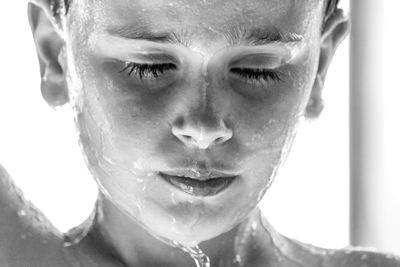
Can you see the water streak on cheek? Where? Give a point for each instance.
(173, 199)
(274, 170)
(75, 87)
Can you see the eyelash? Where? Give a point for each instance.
(257, 74)
(143, 70)
(155, 70)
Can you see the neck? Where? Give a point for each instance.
(132, 244)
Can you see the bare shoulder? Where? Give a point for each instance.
(346, 257)
(26, 236)
(354, 256)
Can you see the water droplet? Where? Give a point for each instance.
(76, 234)
(21, 213)
(136, 166)
(201, 259)
(348, 251)
(67, 244)
(173, 199)
(237, 259)
(253, 226)
(109, 160)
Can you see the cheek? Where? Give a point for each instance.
(126, 120)
(119, 174)
(267, 128)
(265, 124)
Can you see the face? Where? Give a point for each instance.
(201, 89)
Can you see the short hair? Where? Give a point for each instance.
(331, 7)
(61, 7)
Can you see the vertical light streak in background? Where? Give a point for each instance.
(366, 120)
(374, 185)
(391, 226)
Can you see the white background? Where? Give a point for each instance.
(38, 147)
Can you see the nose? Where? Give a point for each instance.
(202, 135)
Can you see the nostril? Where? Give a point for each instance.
(200, 136)
(186, 137)
(219, 140)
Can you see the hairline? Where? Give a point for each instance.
(60, 8)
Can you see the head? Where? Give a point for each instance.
(161, 86)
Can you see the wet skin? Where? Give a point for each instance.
(28, 239)
(132, 128)
(166, 86)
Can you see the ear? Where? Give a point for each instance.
(51, 54)
(336, 29)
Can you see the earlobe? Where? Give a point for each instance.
(50, 49)
(315, 103)
(336, 29)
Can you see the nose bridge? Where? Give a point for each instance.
(204, 118)
(204, 91)
(208, 113)
(202, 123)
(204, 113)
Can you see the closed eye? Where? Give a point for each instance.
(147, 70)
(257, 74)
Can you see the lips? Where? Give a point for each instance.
(200, 174)
(199, 183)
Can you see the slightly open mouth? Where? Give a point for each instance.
(195, 187)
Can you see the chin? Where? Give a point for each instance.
(189, 230)
(195, 236)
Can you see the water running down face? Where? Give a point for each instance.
(186, 109)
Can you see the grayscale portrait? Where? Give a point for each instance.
(184, 111)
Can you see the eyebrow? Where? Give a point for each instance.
(264, 36)
(140, 32)
(235, 36)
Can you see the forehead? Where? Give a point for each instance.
(202, 17)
